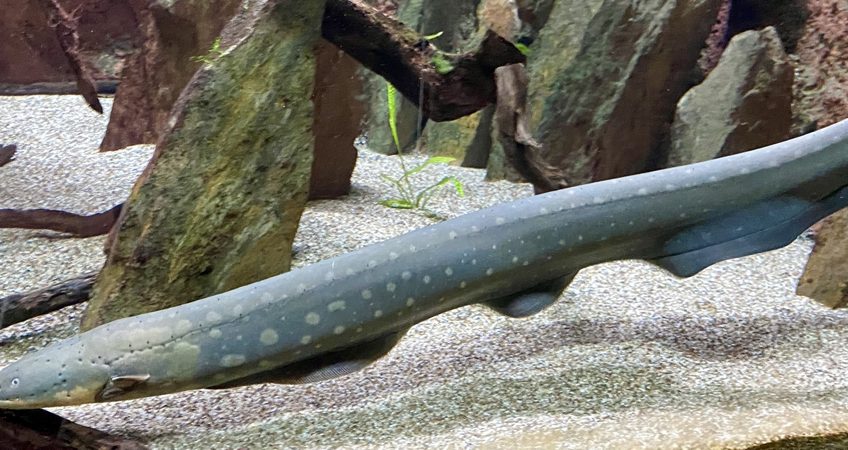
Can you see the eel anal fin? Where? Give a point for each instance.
(764, 226)
(531, 301)
(322, 367)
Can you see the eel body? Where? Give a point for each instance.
(340, 314)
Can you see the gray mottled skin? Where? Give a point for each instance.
(683, 219)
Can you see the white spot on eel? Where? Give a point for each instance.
(182, 327)
(232, 360)
(269, 337)
(312, 318)
(336, 306)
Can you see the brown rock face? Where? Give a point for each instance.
(825, 278)
(821, 86)
(30, 53)
(821, 97)
(744, 103)
(171, 34)
(615, 101)
(337, 121)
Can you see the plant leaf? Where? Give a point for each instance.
(391, 93)
(429, 161)
(430, 37)
(397, 203)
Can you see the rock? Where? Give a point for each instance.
(613, 104)
(338, 118)
(173, 33)
(31, 59)
(821, 81)
(821, 98)
(219, 203)
(743, 104)
(554, 50)
(825, 278)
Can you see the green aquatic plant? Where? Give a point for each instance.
(212, 54)
(409, 197)
(441, 63)
(523, 48)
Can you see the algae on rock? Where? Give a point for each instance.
(219, 203)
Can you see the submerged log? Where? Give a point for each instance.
(19, 307)
(50, 219)
(464, 85)
(40, 429)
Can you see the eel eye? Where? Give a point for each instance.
(15, 382)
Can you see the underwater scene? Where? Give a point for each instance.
(424, 224)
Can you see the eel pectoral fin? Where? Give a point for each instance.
(530, 301)
(119, 385)
(764, 226)
(322, 367)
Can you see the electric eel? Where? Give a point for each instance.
(338, 315)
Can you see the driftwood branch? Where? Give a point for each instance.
(19, 307)
(521, 150)
(398, 54)
(40, 429)
(7, 153)
(63, 221)
(65, 25)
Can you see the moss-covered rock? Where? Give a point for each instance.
(609, 110)
(219, 204)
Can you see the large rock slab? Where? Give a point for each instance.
(743, 104)
(219, 203)
(612, 106)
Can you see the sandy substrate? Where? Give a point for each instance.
(631, 357)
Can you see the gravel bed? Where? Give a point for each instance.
(631, 357)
